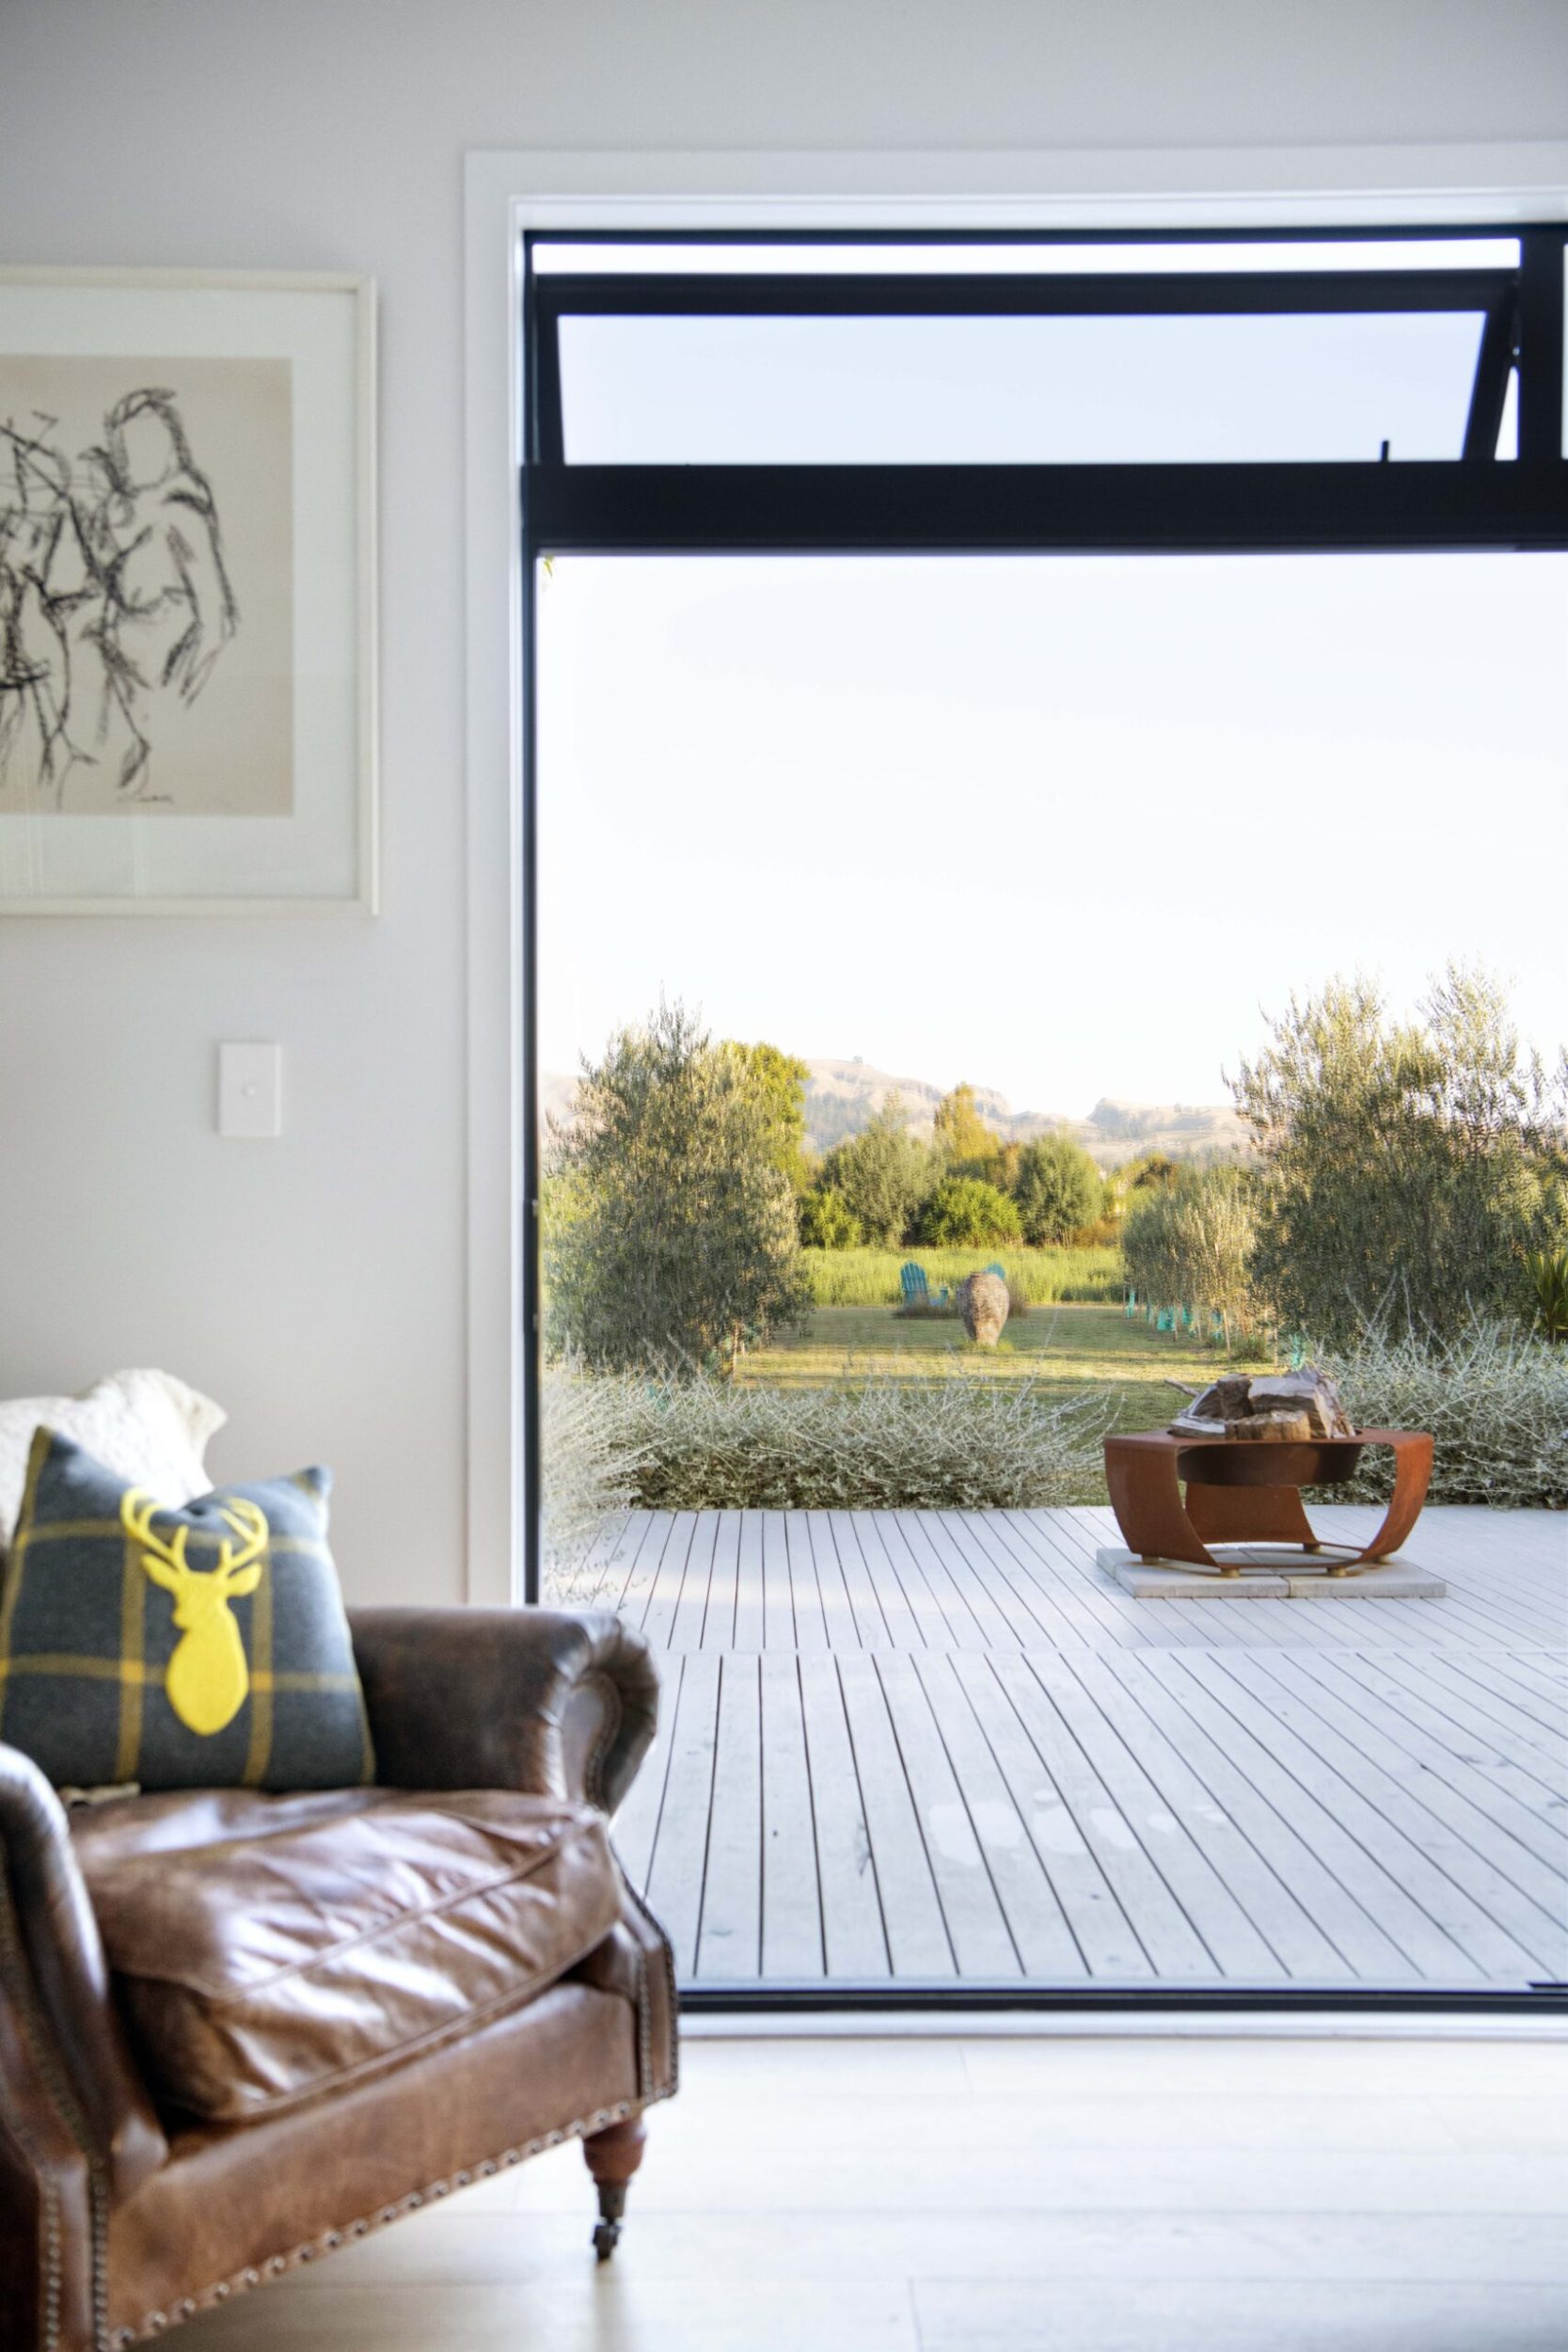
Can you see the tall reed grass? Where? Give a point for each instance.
(870, 1278)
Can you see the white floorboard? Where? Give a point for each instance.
(1042, 2196)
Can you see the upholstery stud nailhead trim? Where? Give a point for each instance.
(16, 1977)
(583, 2128)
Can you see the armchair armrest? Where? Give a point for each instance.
(539, 1700)
(55, 1992)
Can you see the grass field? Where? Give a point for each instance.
(1070, 1349)
(870, 1278)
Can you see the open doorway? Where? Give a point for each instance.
(998, 897)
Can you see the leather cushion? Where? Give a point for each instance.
(263, 1970)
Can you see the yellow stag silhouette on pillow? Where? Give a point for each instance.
(208, 1676)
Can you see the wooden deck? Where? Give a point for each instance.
(943, 1747)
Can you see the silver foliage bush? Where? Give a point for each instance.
(590, 1460)
(1494, 1399)
(950, 1443)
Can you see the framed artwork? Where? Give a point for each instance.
(187, 592)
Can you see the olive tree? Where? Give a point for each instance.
(1191, 1242)
(1412, 1165)
(671, 1235)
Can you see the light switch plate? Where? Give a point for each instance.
(250, 1092)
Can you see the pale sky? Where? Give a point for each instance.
(1060, 826)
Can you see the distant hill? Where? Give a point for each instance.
(842, 1097)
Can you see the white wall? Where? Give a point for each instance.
(316, 1285)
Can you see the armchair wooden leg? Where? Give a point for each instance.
(613, 2156)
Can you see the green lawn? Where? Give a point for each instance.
(1069, 1349)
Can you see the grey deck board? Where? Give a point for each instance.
(1104, 1935)
(729, 1940)
(1277, 1831)
(791, 1894)
(945, 1747)
(690, 1611)
(1508, 1886)
(1258, 1880)
(854, 1941)
(1491, 1782)
(982, 1944)
(1043, 1940)
(1174, 1946)
(751, 1608)
(718, 1616)
(663, 1609)
(919, 1944)
(1212, 1911)
(811, 1621)
(678, 1865)
(1440, 1927)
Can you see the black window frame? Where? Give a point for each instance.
(1476, 502)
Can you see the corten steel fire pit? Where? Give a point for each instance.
(1242, 1493)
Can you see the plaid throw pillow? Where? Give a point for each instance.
(200, 1648)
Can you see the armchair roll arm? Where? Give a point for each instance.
(55, 1985)
(539, 1700)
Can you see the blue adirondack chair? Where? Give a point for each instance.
(916, 1290)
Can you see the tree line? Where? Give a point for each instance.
(1416, 1169)
(885, 1188)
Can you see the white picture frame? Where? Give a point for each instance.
(187, 592)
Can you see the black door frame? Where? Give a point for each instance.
(1470, 503)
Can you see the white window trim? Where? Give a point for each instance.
(507, 194)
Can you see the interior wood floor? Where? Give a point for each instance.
(944, 1747)
(1089, 2194)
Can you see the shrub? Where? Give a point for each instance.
(956, 1442)
(1494, 1400)
(964, 1209)
(828, 1221)
(882, 1173)
(1057, 1189)
(588, 1460)
(1548, 1276)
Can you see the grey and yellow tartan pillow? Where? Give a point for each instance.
(192, 1648)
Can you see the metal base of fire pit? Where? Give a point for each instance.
(1262, 1573)
(1175, 1496)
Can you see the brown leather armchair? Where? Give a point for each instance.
(238, 2030)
